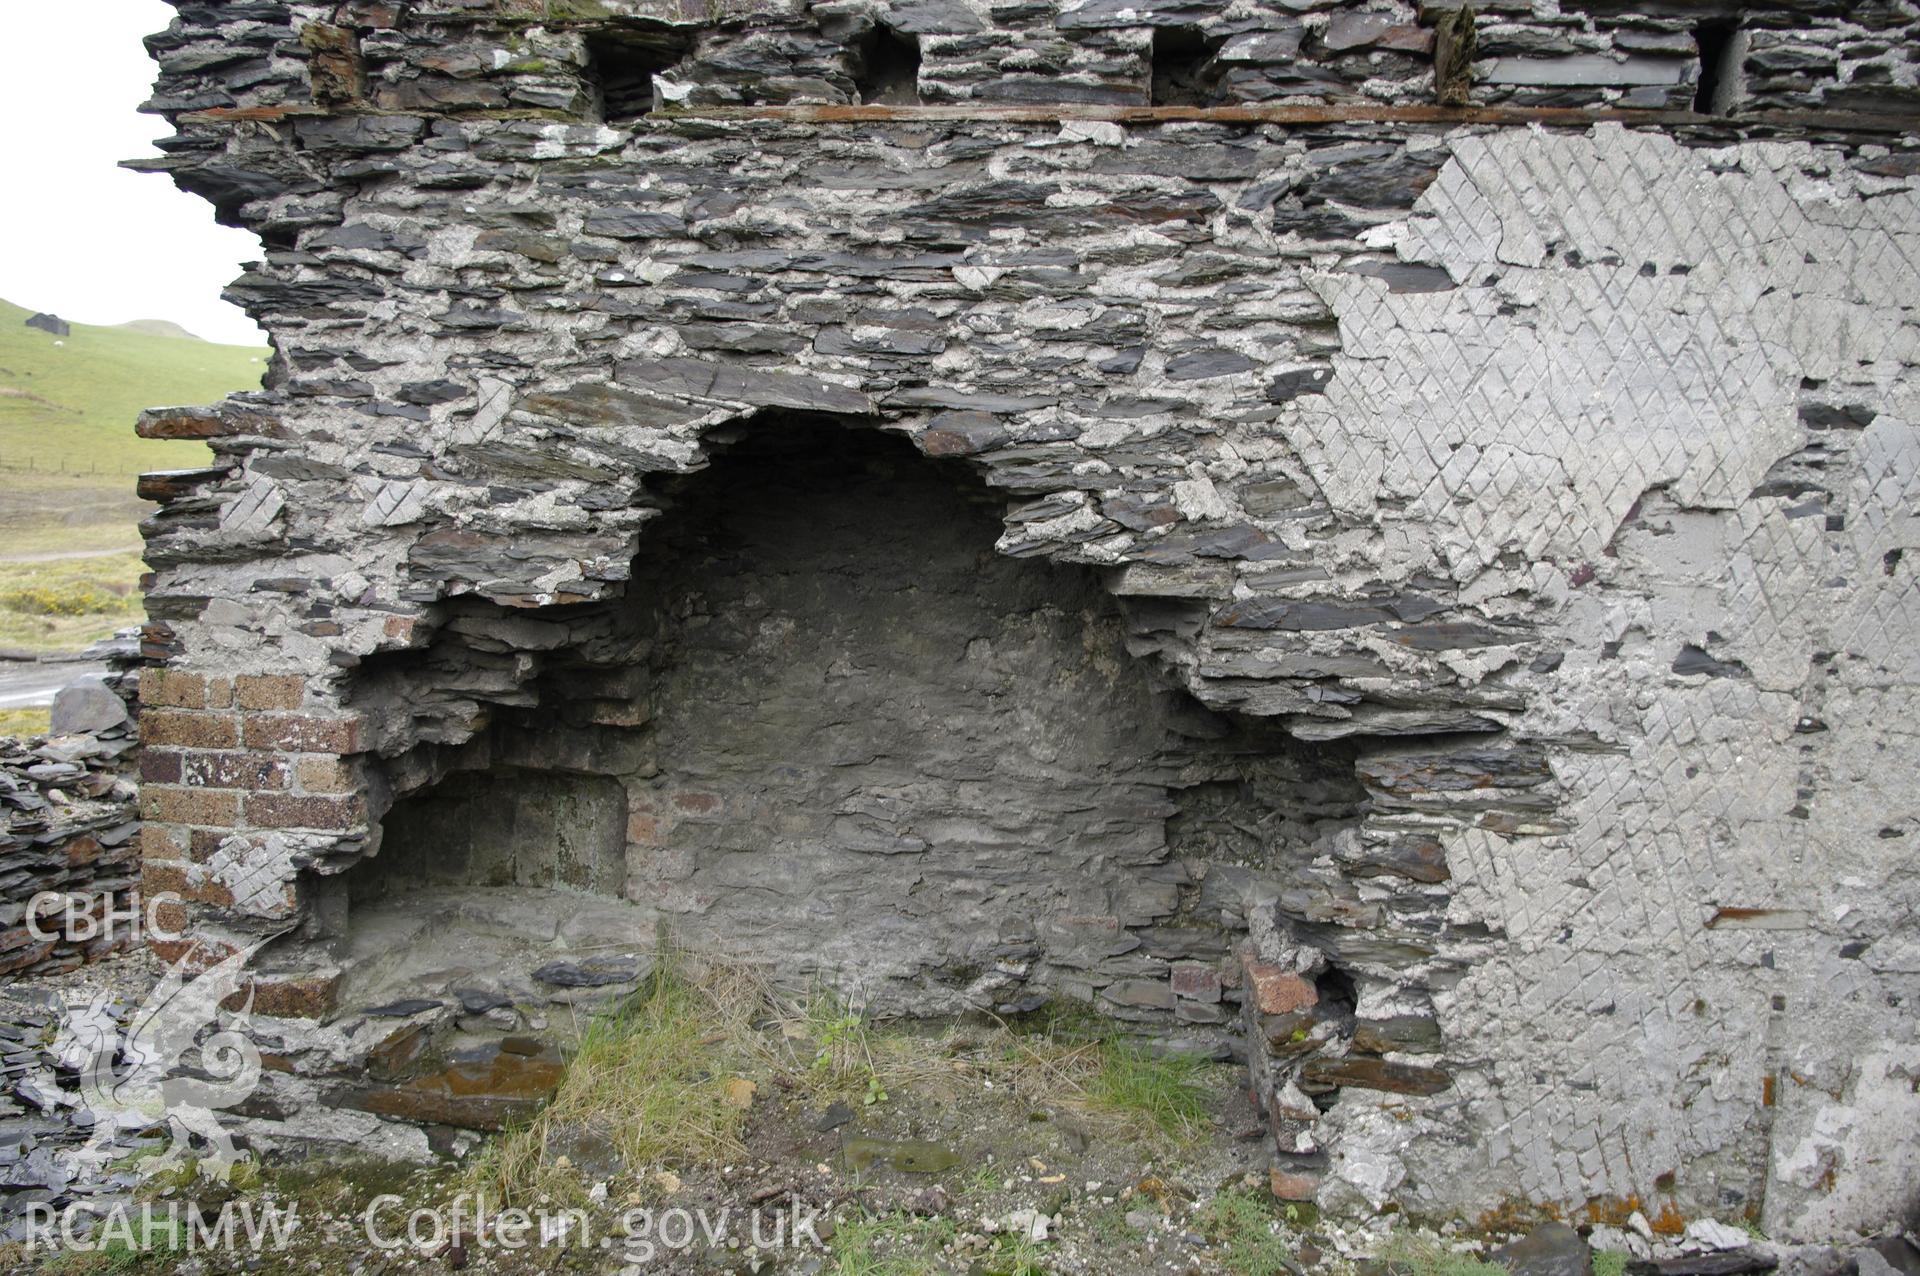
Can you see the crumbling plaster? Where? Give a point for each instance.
(1622, 366)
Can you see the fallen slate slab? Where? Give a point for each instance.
(1896, 1253)
(1727, 1263)
(1552, 1250)
(592, 974)
(836, 1115)
(477, 1001)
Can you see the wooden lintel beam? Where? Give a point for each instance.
(1839, 122)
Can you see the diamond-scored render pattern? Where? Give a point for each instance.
(1616, 385)
(1621, 323)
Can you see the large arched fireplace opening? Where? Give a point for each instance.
(829, 729)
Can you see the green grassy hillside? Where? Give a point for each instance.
(68, 457)
(67, 404)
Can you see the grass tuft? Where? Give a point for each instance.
(1168, 1092)
(845, 1042)
(889, 1245)
(650, 1076)
(1014, 1255)
(150, 1244)
(1412, 1254)
(905, 1245)
(649, 1079)
(1609, 1262)
(1246, 1230)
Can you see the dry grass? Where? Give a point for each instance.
(650, 1077)
(66, 604)
(25, 722)
(1113, 1084)
(1423, 1254)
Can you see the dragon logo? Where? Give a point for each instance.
(137, 1076)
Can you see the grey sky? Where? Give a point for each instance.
(91, 242)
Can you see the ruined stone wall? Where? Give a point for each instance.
(69, 829)
(69, 852)
(1526, 486)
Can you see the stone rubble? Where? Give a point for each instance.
(42, 1117)
(68, 828)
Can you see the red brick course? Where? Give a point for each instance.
(325, 775)
(189, 729)
(293, 811)
(303, 733)
(165, 688)
(234, 771)
(270, 691)
(176, 805)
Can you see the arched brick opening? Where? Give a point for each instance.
(829, 728)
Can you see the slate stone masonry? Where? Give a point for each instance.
(69, 830)
(68, 853)
(1449, 627)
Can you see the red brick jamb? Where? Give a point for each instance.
(233, 770)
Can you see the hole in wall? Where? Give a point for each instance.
(832, 727)
(481, 880)
(1184, 72)
(502, 826)
(887, 67)
(1722, 46)
(1270, 796)
(621, 65)
(842, 724)
(1339, 997)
